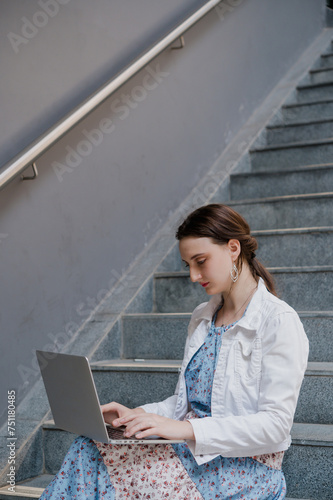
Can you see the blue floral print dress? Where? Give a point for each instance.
(112, 472)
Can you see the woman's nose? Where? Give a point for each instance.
(194, 275)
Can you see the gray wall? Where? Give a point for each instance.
(101, 195)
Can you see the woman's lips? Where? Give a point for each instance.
(204, 284)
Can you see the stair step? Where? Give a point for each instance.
(135, 382)
(289, 156)
(304, 288)
(159, 378)
(312, 179)
(145, 335)
(21, 493)
(308, 463)
(316, 397)
(321, 75)
(326, 60)
(126, 378)
(319, 329)
(31, 488)
(303, 113)
(56, 443)
(300, 132)
(314, 92)
(287, 212)
(301, 247)
(154, 336)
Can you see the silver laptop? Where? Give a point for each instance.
(74, 402)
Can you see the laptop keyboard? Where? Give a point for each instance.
(116, 433)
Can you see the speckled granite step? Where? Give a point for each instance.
(304, 112)
(287, 212)
(162, 336)
(308, 464)
(154, 336)
(304, 288)
(292, 155)
(32, 488)
(315, 402)
(314, 92)
(301, 180)
(123, 380)
(135, 382)
(301, 247)
(326, 60)
(321, 75)
(310, 131)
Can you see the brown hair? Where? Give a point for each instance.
(221, 223)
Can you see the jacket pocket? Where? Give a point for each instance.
(248, 356)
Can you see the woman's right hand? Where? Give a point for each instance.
(114, 411)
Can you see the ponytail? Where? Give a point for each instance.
(260, 271)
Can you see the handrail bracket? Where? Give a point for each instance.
(181, 45)
(31, 177)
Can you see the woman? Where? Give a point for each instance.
(245, 358)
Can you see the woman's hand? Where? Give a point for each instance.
(143, 425)
(112, 412)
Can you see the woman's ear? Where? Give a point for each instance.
(234, 249)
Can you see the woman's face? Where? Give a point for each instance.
(209, 263)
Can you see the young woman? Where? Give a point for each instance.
(245, 358)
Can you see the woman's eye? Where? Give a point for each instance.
(185, 265)
(200, 262)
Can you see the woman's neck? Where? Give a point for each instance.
(237, 298)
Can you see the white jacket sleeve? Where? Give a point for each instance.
(284, 360)
(164, 408)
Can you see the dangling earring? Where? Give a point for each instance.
(234, 273)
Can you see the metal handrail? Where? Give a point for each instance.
(30, 154)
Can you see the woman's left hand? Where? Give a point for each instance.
(149, 424)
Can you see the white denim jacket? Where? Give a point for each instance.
(258, 376)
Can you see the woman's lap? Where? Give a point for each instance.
(102, 471)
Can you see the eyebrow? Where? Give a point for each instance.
(194, 256)
(197, 255)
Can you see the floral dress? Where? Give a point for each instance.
(111, 472)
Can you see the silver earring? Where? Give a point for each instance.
(234, 273)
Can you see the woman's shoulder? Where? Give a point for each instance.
(268, 309)
(275, 305)
(269, 303)
(278, 315)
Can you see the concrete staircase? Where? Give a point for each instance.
(287, 197)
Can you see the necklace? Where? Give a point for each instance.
(241, 307)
